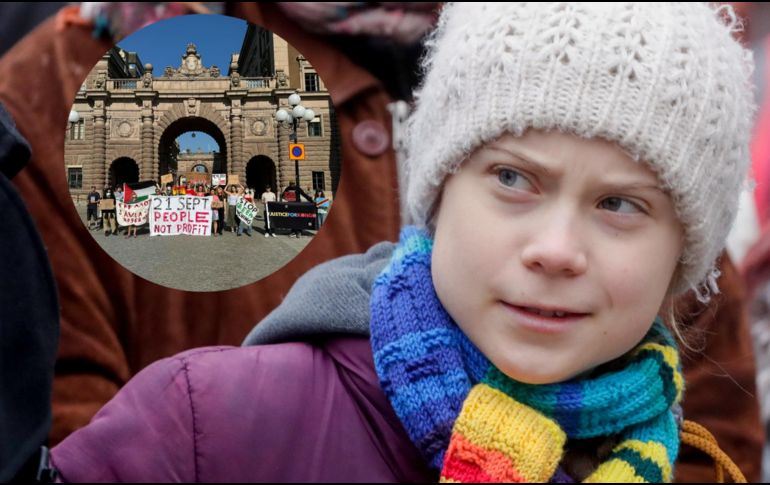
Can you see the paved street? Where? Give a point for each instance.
(199, 263)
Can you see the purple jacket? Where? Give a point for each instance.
(284, 413)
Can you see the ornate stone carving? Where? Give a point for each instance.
(191, 66)
(101, 80)
(192, 106)
(281, 77)
(259, 126)
(125, 129)
(147, 80)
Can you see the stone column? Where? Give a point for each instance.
(148, 169)
(236, 145)
(99, 153)
(235, 159)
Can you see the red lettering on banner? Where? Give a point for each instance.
(200, 217)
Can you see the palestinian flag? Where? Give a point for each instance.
(142, 190)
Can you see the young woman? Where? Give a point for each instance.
(585, 169)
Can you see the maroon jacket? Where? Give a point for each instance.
(292, 412)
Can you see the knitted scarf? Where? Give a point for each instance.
(475, 424)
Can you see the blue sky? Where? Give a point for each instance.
(162, 44)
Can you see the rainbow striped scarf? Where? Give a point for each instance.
(477, 425)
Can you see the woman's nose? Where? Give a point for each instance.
(557, 249)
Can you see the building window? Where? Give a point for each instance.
(200, 169)
(314, 127)
(318, 181)
(311, 82)
(77, 130)
(75, 177)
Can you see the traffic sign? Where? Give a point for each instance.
(296, 151)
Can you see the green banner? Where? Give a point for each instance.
(246, 211)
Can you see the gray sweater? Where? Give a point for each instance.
(333, 297)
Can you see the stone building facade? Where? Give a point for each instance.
(129, 118)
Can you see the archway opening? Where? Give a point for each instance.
(260, 173)
(189, 144)
(123, 170)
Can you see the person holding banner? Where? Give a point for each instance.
(268, 196)
(243, 226)
(107, 204)
(131, 226)
(291, 194)
(220, 193)
(216, 204)
(322, 203)
(232, 200)
(119, 197)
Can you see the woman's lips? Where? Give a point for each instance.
(544, 320)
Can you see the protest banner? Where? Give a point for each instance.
(246, 211)
(218, 179)
(107, 204)
(166, 179)
(175, 215)
(199, 178)
(292, 215)
(234, 180)
(133, 214)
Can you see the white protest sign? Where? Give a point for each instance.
(181, 214)
(246, 211)
(218, 179)
(133, 214)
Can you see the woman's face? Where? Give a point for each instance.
(553, 253)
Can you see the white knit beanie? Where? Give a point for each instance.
(666, 81)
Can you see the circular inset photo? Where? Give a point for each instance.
(202, 152)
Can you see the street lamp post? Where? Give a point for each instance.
(293, 117)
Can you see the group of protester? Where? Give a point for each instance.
(101, 215)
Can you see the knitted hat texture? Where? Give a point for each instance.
(666, 81)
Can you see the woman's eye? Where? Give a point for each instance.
(513, 179)
(618, 204)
